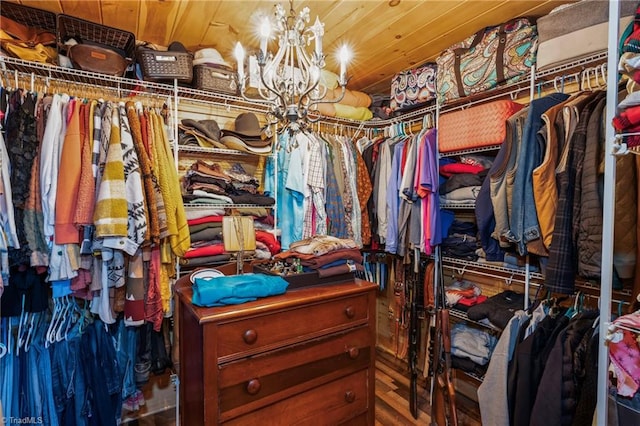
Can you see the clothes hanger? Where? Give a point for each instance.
(3, 346)
(64, 318)
(50, 334)
(33, 324)
(20, 323)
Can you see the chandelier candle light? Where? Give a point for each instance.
(290, 78)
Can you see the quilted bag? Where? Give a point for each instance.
(413, 88)
(476, 127)
(493, 56)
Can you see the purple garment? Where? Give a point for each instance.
(430, 182)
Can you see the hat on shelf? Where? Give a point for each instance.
(246, 126)
(234, 142)
(176, 46)
(206, 132)
(209, 56)
(247, 130)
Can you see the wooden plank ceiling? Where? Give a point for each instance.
(384, 38)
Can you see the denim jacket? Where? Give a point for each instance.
(523, 222)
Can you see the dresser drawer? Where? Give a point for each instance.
(251, 383)
(332, 403)
(252, 335)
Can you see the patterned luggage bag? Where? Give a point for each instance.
(493, 56)
(413, 88)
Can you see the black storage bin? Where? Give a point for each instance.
(157, 65)
(30, 16)
(123, 42)
(215, 79)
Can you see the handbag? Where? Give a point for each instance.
(493, 56)
(413, 88)
(90, 57)
(27, 43)
(476, 127)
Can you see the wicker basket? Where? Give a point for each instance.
(88, 32)
(29, 16)
(215, 79)
(159, 65)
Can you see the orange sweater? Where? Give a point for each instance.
(69, 180)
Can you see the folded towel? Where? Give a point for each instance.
(235, 289)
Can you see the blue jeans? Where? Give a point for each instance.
(43, 361)
(126, 349)
(9, 372)
(103, 374)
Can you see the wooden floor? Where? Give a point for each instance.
(392, 401)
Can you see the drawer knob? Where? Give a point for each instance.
(250, 336)
(349, 396)
(253, 386)
(353, 352)
(350, 311)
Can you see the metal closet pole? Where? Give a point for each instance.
(608, 213)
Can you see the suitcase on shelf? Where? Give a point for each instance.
(577, 30)
(413, 88)
(493, 56)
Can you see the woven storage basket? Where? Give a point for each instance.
(89, 32)
(29, 16)
(215, 79)
(476, 127)
(159, 65)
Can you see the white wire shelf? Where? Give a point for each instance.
(195, 206)
(204, 150)
(470, 151)
(131, 87)
(465, 265)
(461, 315)
(471, 375)
(125, 86)
(515, 89)
(536, 279)
(578, 64)
(457, 206)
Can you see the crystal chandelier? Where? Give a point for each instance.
(290, 78)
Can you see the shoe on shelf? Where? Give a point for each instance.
(131, 404)
(139, 396)
(142, 372)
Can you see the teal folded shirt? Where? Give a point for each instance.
(235, 289)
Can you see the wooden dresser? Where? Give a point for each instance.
(304, 357)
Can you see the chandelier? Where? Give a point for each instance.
(290, 78)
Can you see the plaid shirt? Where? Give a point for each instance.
(561, 269)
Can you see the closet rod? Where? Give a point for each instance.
(82, 88)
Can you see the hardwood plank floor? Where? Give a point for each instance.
(392, 401)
